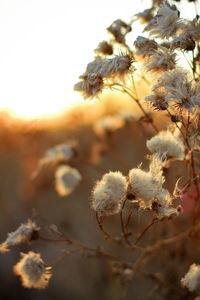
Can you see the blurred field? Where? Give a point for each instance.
(22, 144)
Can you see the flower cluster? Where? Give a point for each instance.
(145, 187)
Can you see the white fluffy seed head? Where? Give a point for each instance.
(66, 180)
(32, 270)
(161, 61)
(143, 186)
(192, 278)
(167, 142)
(108, 194)
(23, 234)
(166, 23)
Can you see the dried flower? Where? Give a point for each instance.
(119, 29)
(181, 89)
(184, 42)
(90, 86)
(118, 66)
(108, 194)
(145, 16)
(145, 47)
(192, 278)
(158, 100)
(166, 23)
(167, 142)
(192, 28)
(143, 186)
(162, 60)
(66, 180)
(32, 270)
(148, 190)
(25, 233)
(104, 48)
(147, 185)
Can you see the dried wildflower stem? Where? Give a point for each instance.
(168, 241)
(100, 220)
(192, 165)
(140, 235)
(129, 92)
(115, 240)
(194, 175)
(65, 253)
(97, 251)
(193, 65)
(125, 232)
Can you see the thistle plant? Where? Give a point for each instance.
(169, 42)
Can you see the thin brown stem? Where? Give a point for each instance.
(140, 235)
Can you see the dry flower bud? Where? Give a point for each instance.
(25, 233)
(108, 194)
(66, 180)
(32, 270)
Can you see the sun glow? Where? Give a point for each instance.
(46, 45)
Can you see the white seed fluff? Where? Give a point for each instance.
(167, 142)
(192, 278)
(21, 235)
(143, 186)
(66, 180)
(108, 194)
(32, 270)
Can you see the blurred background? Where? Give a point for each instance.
(45, 46)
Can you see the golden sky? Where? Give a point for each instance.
(46, 45)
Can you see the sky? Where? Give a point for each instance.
(46, 45)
